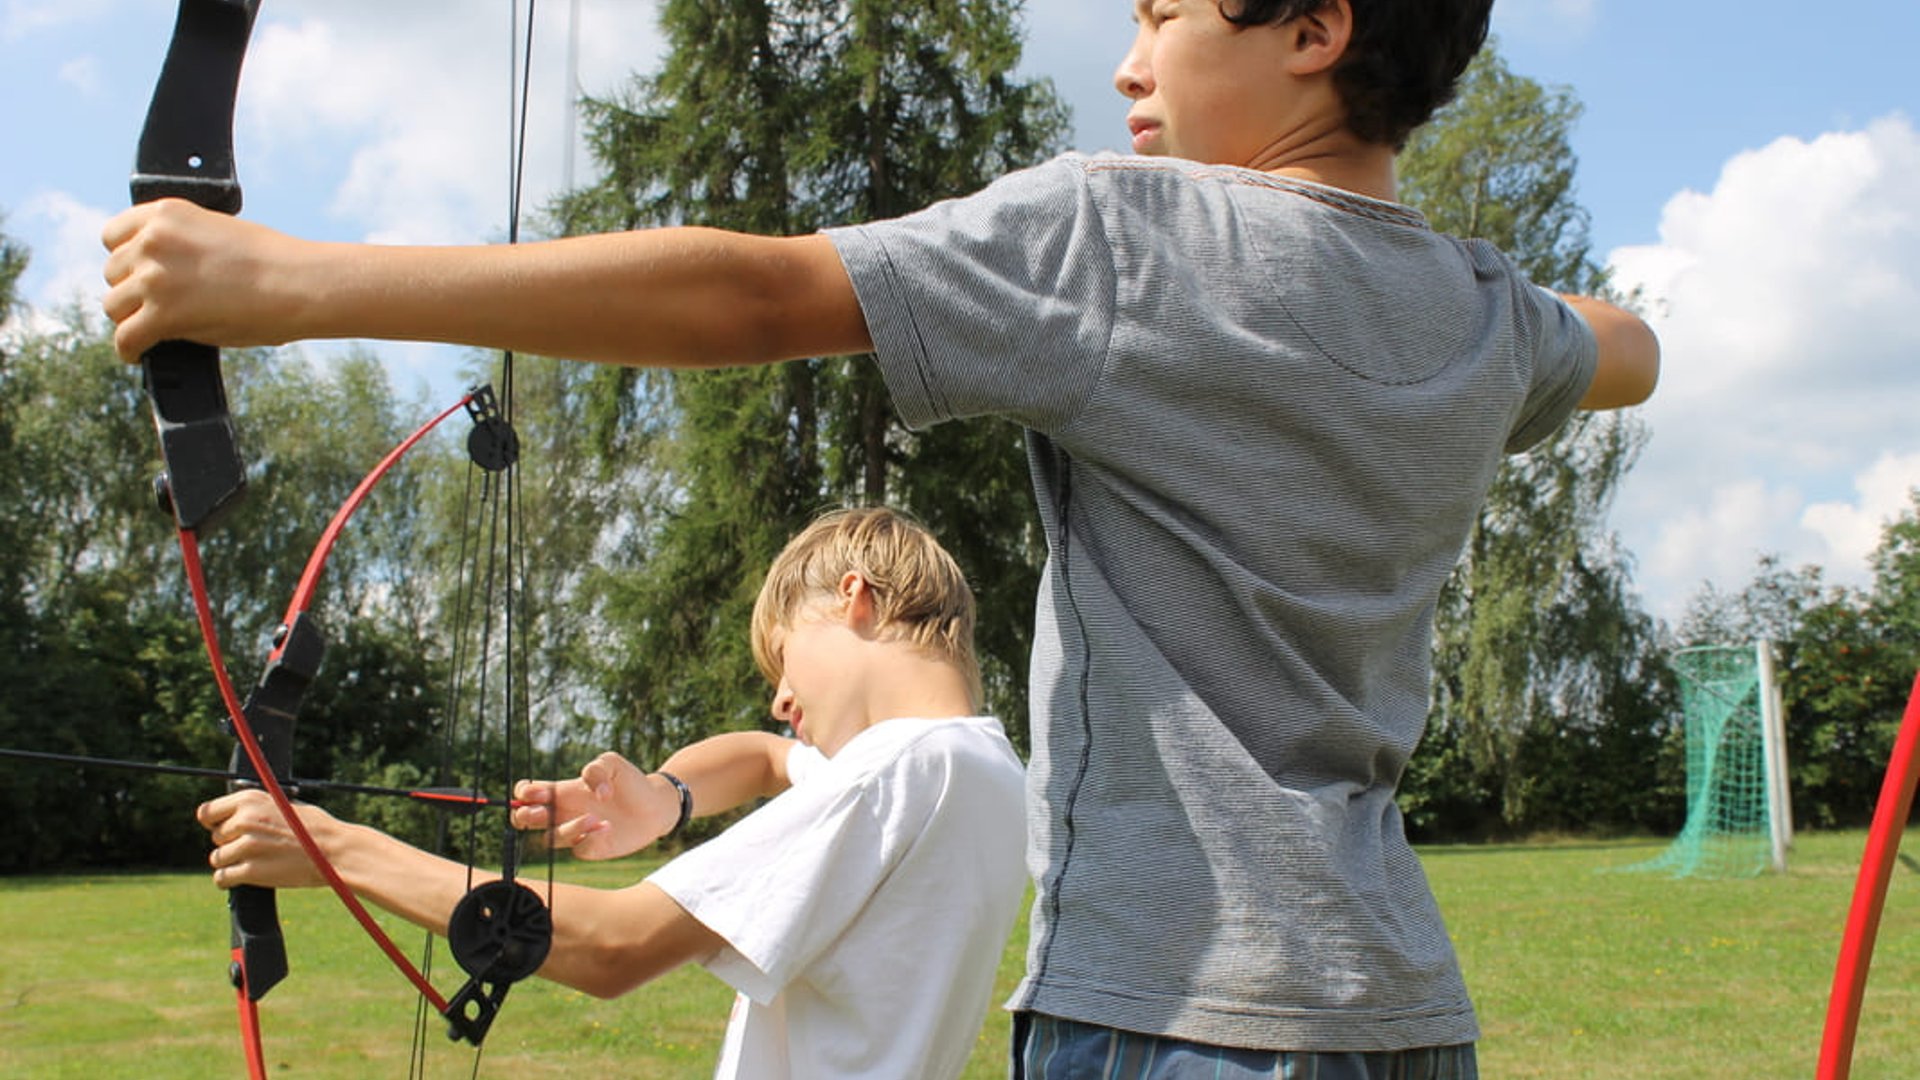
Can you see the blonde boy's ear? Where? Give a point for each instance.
(1319, 38)
(855, 594)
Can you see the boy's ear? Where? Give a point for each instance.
(855, 593)
(1319, 38)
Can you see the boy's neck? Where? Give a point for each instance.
(911, 683)
(1366, 169)
(899, 682)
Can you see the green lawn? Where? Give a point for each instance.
(1577, 972)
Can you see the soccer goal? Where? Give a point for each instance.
(1739, 818)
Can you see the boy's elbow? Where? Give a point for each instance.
(1628, 371)
(1629, 356)
(604, 973)
(1647, 373)
(609, 989)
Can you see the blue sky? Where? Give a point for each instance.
(1754, 167)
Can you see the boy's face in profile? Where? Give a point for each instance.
(1203, 88)
(814, 693)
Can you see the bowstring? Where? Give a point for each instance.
(503, 495)
(517, 569)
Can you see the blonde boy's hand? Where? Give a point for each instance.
(614, 809)
(178, 272)
(253, 845)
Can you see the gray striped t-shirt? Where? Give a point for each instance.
(1263, 414)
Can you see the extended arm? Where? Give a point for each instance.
(615, 808)
(605, 942)
(1629, 355)
(679, 297)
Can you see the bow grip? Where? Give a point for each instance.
(186, 151)
(259, 950)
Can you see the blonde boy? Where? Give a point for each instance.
(861, 913)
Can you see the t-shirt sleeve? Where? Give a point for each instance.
(998, 303)
(1565, 354)
(782, 884)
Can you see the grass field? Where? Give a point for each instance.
(1578, 971)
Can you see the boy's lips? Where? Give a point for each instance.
(1143, 132)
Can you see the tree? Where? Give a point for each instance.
(781, 117)
(102, 657)
(15, 637)
(1846, 664)
(13, 263)
(1847, 672)
(1773, 606)
(1544, 662)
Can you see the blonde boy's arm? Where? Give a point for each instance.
(680, 297)
(615, 807)
(605, 942)
(731, 769)
(1629, 354)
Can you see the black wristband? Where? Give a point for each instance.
(686, 801)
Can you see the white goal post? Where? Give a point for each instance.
(1773, 733)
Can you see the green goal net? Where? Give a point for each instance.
(1729, 830)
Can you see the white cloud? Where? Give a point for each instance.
(1732, 526)
(1785, 300)
(22, 18)
(71, 257)
(404, 110)
(1852, 530)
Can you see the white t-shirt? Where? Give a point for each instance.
(865, 909)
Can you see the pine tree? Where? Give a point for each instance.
(1541, 651)
(780, 117)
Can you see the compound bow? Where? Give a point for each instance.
(501, 931)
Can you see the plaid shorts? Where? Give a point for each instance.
(1048, 1048)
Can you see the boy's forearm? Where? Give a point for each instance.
(731, 769)
(686, 297)
(395, 876)
(605, 942)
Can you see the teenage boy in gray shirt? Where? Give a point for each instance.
(1265, 403)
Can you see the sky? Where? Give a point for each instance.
(1753, 168)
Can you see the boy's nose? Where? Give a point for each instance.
(1133, 78)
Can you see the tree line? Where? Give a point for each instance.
(654, 500)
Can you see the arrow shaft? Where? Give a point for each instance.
(456, 798)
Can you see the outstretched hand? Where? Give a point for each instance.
(614, 809)
(253, 845)
(178, 272)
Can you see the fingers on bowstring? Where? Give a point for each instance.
(534, 791)
(531, 818)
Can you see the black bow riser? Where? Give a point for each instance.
(186, 151)
(271, 710)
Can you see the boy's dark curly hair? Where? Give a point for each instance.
(1403, 63)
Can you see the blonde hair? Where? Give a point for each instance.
(919, 593)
